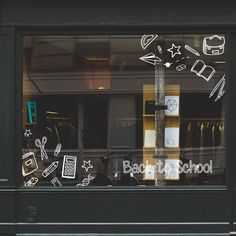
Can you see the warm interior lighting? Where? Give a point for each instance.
(52, 112)
(93, 58)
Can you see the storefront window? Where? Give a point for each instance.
(131, 110)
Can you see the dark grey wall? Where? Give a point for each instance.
(6, 103)
(192, 210)
(7, 129)
(184, 12)
(232, 150)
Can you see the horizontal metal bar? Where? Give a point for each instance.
(129, 234)
(118, 223)
(3, 180)
(117, 189)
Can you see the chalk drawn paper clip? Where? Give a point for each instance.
(57, 149)
(52, 167)
(146, 40)
(202, 70)
(159, 48)
(41, 145)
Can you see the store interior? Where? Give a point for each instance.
(95, 97)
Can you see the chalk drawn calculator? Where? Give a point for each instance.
(69, 167)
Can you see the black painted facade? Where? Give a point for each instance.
(198, 210)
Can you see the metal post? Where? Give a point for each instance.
(159, 120)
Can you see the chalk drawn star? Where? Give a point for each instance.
(27, 133)
(174, 50)
(87, 165)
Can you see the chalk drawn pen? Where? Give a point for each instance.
(50, 169)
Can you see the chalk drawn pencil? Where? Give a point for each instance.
(190, 49)
(50, 169)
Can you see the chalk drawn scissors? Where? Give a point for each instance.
(41, 145)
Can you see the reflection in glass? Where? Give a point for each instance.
(127, 110)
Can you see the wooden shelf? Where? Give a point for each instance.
(149, 123)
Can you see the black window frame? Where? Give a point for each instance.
(226, 190)
(131, 31)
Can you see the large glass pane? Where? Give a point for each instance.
(123, 110)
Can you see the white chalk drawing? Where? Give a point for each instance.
(41, 145)
(221, 86)
(27, 133)
(172, 169)
(57, 149)
(159, 48)
(56, 182)
(69, 167)
(181, 59)
(51, 168)
(192, 50)
(202, 70)
(172, 137)
(172, 103)
(151, 59)
(86, 181)
(167, 64)
(31, 182)
(181, 67)
(221, 91)
(147, 39)
(174, 50)
(87, 165)
(213, 45)
(29, 164)
(116, 175)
